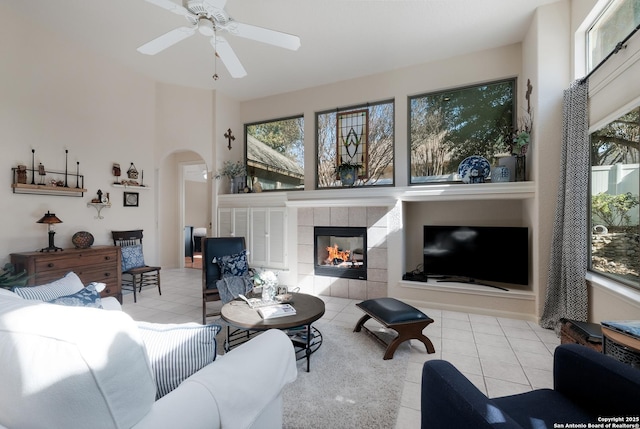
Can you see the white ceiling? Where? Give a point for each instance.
(340, 39)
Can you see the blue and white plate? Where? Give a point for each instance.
(474, 169)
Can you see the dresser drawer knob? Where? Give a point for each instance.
(107, 274)
(50, 264)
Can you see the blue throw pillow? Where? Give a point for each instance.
(132, 257)
(87, 297)
(234, 265)
(176, 351)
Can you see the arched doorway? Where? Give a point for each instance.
(176, 206)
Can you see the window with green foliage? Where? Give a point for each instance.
(355, 146)
(275, 154)
(615, 186)
(616, 22)
(446, 127)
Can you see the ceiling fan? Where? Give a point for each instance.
(208, 17)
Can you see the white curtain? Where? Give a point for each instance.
(566, 286)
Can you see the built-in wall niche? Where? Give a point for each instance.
(468, 212)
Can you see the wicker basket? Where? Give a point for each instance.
(621, 352)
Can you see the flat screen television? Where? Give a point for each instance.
(473, 254)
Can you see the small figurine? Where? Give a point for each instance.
(257, 187)
(132, 172)
(42, 172)
(22, 174)
(116, 171)
(99, 199)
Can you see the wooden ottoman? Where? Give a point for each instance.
(406, 320)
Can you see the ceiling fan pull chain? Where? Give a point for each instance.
(215, 59)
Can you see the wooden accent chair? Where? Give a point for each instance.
(135, 273)
(215, 247)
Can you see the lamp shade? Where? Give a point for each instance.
(49, 218)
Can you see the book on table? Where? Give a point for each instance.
(257, 302)
(273, 311)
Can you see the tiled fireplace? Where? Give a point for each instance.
(340, 251)
(340, 222)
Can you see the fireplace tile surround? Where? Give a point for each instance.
(375, 219)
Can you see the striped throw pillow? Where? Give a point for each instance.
(67, 285)
(176, 351)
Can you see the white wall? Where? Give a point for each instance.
(185, 133)
(196, 198)
(55, 95)
(547, 62)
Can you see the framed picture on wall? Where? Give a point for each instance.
(131, 199)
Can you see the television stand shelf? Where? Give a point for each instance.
(472, 298)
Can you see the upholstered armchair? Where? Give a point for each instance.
(588, 386)
(213, 248)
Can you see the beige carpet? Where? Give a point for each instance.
(349, 386)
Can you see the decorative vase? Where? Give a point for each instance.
(269, 291)
(232, 185)
(510, 163)
(348, 176)
(240, 182)
(82, 240)
(521, 168)
(500, 174)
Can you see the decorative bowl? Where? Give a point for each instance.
(474, 169)
(82, 239)
(284, 298)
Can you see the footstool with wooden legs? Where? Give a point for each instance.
(406, 320)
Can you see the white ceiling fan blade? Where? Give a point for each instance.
(170, 6)
(264, 35)
(228, 57)
(220, 4)
(168, 39)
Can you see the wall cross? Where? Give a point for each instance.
(229, 136)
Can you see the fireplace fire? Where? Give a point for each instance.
(341, 252)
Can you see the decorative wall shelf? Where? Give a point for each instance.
(69, 184)
(99, 207)
(118, 185)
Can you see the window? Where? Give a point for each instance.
(356, 143)
(614, 115)
(617, 21)
(615, 186)
(448, 126)
(275, 154)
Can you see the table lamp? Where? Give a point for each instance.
(50, 219)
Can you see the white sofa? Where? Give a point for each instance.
(76, 367)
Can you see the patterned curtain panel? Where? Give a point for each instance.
(566, 285)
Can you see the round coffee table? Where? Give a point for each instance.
(247, 321)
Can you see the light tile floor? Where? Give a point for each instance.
(500, 356)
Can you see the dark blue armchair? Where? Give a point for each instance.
(215, 247)
(587, 385)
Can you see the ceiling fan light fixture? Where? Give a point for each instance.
(205, 27)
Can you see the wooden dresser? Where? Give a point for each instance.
(96, 264)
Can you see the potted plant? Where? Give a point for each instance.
(9, 278)
(235, 171)
(348, 170)
(515, 141)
